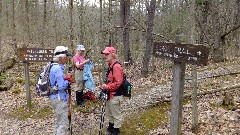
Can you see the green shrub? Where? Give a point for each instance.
(33, 82)
(20, 80)
(16, 91)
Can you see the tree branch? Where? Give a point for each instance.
(230, 31)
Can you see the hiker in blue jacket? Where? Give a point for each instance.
(59, 98)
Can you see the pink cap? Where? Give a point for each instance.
(108, 50)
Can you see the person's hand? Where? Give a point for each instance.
(86, 61)
(69, 77)
(103, 86)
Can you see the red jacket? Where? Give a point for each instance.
(115, 78)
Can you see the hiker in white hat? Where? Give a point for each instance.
(79, 61)
(59, 97)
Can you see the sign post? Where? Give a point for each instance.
(180, 54)
(27, 83)
(27, 55)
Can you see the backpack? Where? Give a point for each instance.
(43, 82)
(126, 87)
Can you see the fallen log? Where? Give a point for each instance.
(188, 96)
(7, 64)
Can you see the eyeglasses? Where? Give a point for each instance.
(106, 54)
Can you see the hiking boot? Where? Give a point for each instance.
(79, 98)
(116, 131)
(110, 128)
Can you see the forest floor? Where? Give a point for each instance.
(218, 79)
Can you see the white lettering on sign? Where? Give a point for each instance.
(193, 58)
(35, 54)
(183, 51)
(194, 54)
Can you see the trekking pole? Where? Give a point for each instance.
(69, 109)
(104, 96)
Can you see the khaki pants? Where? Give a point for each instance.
(79, 80)
(60, 108)
(114, 111)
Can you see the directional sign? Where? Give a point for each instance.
(35, 54)
(193, 54)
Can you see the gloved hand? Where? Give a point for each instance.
(69, 77)
(86, 61)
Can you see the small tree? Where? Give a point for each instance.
(149, 36)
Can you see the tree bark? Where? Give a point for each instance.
(237, 22)
(110, 23)
(27, 26)
(55, 21)
(149, 38)
(218, 42)
(1, 28)
(101, 42)
(44, 22)
(205, 12)
(71, 24)
(125, 13)
(81, 20)
(14, 32)
(194, 74)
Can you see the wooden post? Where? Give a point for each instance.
(177, 97)
(27, 83)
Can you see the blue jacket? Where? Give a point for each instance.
(57, 79)
(87, 76)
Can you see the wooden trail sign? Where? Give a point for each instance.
(27, 55)
(192, 54)
(180, 54)
(35, 54)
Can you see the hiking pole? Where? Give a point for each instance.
(104, 96)
(69, 109)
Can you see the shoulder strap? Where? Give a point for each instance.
(111, 69)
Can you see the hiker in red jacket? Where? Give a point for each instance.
(115, 78)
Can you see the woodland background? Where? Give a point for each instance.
(131, 26)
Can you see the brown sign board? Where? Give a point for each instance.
(35, 54)
(192, 54)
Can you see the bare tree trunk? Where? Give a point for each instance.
(14, 34)
(27, 26)
(44, 22)
(1, 28)
(218, 42)
(110, 23)
(81, 20)
(101, 42)
(149, 37)
(71, 24)
(125, 12)
(236, 23)
(55, 21)
(7, 15)
(205, 11)
(194, 73)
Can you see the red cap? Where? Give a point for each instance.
(108, 50)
